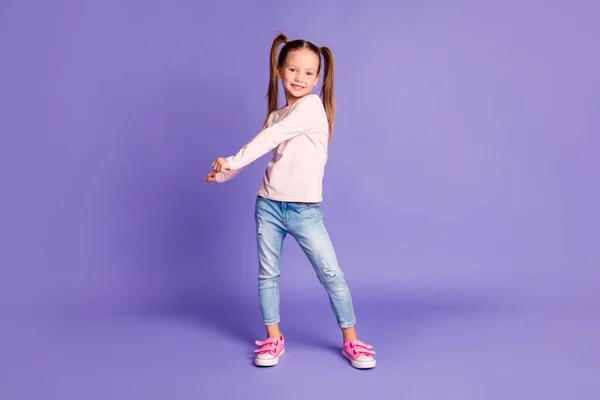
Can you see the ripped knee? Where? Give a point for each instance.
(328, 271)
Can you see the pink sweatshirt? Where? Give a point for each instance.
(298, 137)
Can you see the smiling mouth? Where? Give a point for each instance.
(297, 87)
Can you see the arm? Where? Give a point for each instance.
(300, 120)
(227, 175)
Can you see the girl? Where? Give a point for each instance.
(290, 195)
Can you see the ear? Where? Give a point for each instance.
(317, 80)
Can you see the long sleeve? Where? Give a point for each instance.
(303, 118)
(225, 176)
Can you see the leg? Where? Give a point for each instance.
(273, 331)
(349, 334)
(307, 227)
(270, 233)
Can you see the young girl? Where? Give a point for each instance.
(290, 195)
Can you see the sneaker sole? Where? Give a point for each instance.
(359, 364)
(268, 362)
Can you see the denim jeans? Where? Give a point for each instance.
(274, 220)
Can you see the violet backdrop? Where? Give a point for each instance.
(464, 160)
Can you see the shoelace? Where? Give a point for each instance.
(359, 348)
(268, 346)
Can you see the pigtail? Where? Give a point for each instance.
(327, 88)
(272, 92)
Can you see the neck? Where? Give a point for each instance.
(290, 100)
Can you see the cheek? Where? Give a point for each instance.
(286, 77)
(310, 81)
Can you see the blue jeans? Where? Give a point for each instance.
(274, 220)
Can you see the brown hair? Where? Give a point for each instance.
(276, 62)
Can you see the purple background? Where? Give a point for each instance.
(461, 194)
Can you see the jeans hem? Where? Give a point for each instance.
(271, 322)
(348, 324)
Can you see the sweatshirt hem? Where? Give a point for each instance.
(290, 199)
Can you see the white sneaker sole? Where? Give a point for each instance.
(360, 364)
(268, 362)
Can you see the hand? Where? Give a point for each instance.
(212, 176)
(220, 164)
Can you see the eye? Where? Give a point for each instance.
(293, 69)
(309, 73)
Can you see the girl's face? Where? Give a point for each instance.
(299, 74)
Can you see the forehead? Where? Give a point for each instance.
(303, 59)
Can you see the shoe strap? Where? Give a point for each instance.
(268, 346)
(359, 347)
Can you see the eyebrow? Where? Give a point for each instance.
(295, 66)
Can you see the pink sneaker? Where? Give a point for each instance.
(359, 354)
(268, 355)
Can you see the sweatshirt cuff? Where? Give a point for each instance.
(232, 165)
